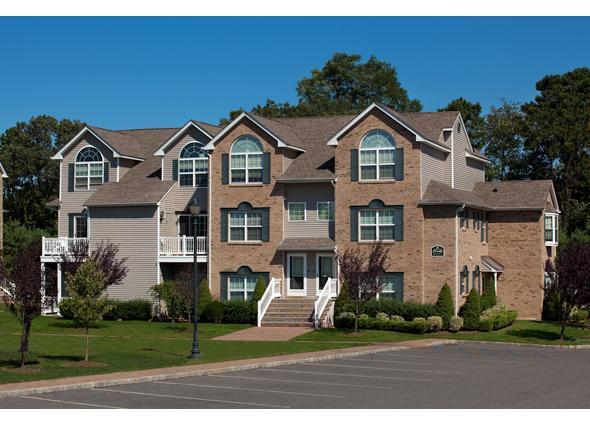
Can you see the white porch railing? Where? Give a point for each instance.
(60, 245)
(322, 300)
(272, 290)
(182, 246)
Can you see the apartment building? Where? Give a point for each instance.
(280, 198)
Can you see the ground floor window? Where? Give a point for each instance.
(241, 287)
(476, 280)
(394, 286)
(464, 280)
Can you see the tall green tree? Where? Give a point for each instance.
(344, 85)
(474, 122)
(33, 178)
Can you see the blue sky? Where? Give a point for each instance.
(158, 72)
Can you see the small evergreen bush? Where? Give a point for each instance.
(444, 305)
(342, 301)
(435, 323)
(551, 307)
(471, 310)
(496, 317)
(258, 290)
(204, 296)
(213, 312)
(239, 312)
(66, 308)
(488, 297)
(455, 324)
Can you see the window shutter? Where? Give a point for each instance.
(106, 172)
(354, 165)
(223, 279)
(266, 167)
(399, 285)
(223, 223)
(224, 169)
(399, 164)
(487, 226)
(71, 225)
(174, 170)
(399, 223)
(354, 217)
(71, 177)
(265, 224)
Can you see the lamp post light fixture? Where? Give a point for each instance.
(195, 210)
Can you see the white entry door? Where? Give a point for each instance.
(297, 274)
(324, 270)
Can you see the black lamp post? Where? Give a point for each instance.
(195, 210)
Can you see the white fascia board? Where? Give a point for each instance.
(59, 154)
(460, 118)
(554, 198)
(476, 158)
(160, 151)
(4, 175)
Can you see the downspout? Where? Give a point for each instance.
(337, 269)
(459, 209)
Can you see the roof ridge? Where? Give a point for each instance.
(304, 117)
(132, 130)
(208, 124)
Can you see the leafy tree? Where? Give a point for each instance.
(569, 288)
(22, 284)
(577, 218)
(444, 305)
(474, 122)
(504, 142)
(488, 297)
(361, 275)
(17, 236)
(87, 298)
(177, 295)
(259, 290)
(471, 310)
(344, 85)
(204, 296)
(33, 178)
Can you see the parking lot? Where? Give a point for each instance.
(447, 376)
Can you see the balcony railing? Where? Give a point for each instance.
(182, 246)
(63, 245)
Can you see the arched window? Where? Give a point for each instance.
(476, 280)
(464, 282)
(89, 168)
(193, 166)
(246, 160)
(377, 156)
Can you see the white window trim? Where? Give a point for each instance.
(330, 209)
(194, 173)
(245, 292)
(88, 163)
(245, 227)
(304, 211)
(377, 163)
(296, 292)
(179, 215)
(76, 218)
(246, 168)
(554, 229)
(376, 225)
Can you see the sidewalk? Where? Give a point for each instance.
(142, 376)
(266, 334)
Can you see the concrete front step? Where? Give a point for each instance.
(290, 312)
(287, 324)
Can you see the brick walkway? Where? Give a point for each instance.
(269, 334)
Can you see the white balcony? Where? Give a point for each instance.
(182, 246)
(54, 247)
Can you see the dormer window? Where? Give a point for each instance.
(89, 169)
(377, 156)
(246, 160)
(193, 166)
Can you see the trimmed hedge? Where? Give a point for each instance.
(408, 310)
(128, 310)
(239, 312)
(346, 320)
(213, 312)
(497, 320)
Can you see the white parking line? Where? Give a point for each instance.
(419, 363)
(302, 381)
(454, 359)
(386, 369)
(321, 373)
(252, 390)
(191, 398)
(69, 402)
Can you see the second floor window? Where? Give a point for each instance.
(193, 166)
(245, 226)
(377, 156)
(326, 210)
(296, 212)
(81, 226)
(89, 169)
(551, 229)
(246, 160)
(377, 224)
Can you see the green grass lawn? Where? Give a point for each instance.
(520, 332)
(124, 346)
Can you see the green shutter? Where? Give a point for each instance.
(399, 164)
(487, 226)
(399, 285)
(224, 169)
(223, 222)
(399, 223)
(71, 177)
(266, 167)
(223, 284)
(71, 225)
(266, 224)
(354, 217)
(106, 172)
(174, 170)
(354, 165)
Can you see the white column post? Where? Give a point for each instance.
(496, 282)
(58, 285)
(44, 309)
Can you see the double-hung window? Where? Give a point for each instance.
(193, 166)
(245, 226)
(393, 286)
(89, 169)
(377, 156)
(246, 160)
(464, 280)
(326, 210)
(377, 224)
(241, 287)
(551, 229)
(297, 212)
(80, 226)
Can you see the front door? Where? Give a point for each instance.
(296, 274)
(324, 270)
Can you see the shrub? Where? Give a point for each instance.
(66, 308)
(579, 315)
(455, 324)
(204, 296)
(435, 323)
(444, 305)
(381, 316)
(408, 310)
(213, 312)
(239, 312)
(551, 307)
(344, 320)
(418, 326)
(258, 291)
(470, 311)
(496, 318)
(342, 301)
(127, 310)
(488, 297)
(397, 318)
(363, 316)
(176, 296)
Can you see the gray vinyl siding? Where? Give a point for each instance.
(134, 229)
(311, 194)
(467, 171)
(432, 166)
(173, 150)
(288, 157)
(124, 166)
(73, 202)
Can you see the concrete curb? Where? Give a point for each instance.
(202, 369)
(532, 345)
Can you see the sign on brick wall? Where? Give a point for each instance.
(438, 251)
